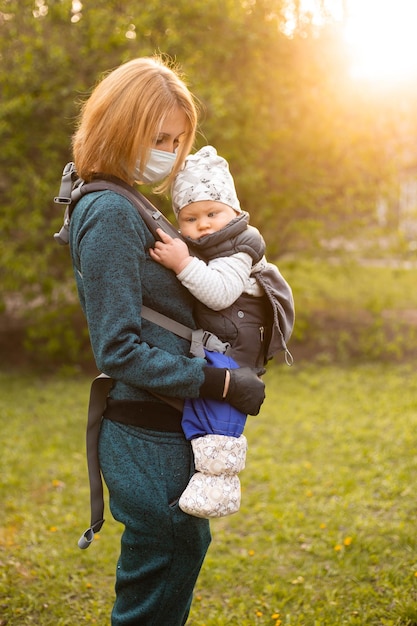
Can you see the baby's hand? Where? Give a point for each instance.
(170, 252)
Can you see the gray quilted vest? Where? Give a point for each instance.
(256, 328)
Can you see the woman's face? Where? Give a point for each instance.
(172, 129)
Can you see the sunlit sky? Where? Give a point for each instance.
(381, 36)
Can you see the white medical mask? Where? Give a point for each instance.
(158, 167)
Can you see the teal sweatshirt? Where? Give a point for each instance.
(114, 274)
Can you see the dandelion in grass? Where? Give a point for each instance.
(298, 581)
(337, 547)
(347, 541)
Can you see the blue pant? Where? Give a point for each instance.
(162, 548)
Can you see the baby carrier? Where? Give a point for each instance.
(278, 291)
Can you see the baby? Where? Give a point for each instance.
(220, 264)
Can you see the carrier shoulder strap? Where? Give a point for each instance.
(152, 217)
(73, 188)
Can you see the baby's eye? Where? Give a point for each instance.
(212, 214)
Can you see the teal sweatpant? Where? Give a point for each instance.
(162, 548)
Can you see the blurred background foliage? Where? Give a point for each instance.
(313, 152)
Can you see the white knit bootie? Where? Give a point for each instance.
(214, 490)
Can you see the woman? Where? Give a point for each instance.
(139, 125)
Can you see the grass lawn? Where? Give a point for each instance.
(326, 534)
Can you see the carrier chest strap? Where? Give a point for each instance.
(167, 322)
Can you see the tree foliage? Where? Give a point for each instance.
(310, 151)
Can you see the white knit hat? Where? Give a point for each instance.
(205, 176)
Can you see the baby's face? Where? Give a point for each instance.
(205, 217)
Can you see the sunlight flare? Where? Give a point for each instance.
(380, 34)
(381, 37)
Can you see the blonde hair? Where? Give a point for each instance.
(123, 116)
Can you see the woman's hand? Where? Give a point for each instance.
(241, 387)
(246, 390)
(170, 252)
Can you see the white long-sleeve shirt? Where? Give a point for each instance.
(218, 283)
